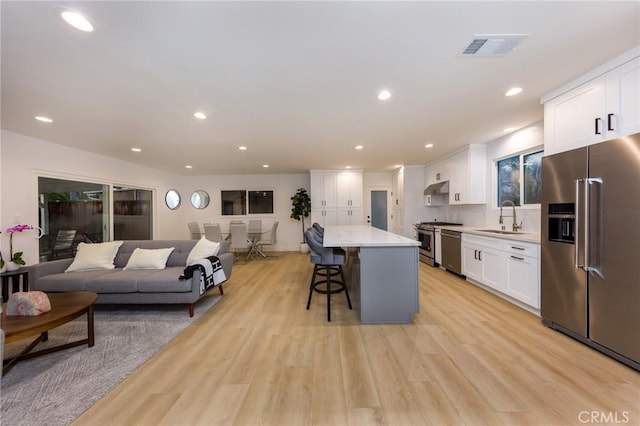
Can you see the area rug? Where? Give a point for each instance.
(55, 389)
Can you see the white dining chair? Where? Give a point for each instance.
(212, 232)
(239, 239)
(268, 238)
(194, 230)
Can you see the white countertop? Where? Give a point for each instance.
(528, 237)
(363, 236)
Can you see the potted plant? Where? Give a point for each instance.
(301, 208)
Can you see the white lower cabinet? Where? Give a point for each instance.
(510, 267)
(325, 217)
(481, 260)
(349, 216)
(438, 245)
(523, 279)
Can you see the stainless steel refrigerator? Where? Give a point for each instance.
(590, 270)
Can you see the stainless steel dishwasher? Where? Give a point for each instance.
(452, 251)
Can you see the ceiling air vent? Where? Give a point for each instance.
(492, 45)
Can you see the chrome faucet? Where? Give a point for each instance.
(515, 226)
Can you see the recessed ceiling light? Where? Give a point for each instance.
(188, 166)
(266, 166)
(242, 148)
(136, 150)
(397, 166)
(509, 129)
(513, 91)
(384, 95)
(429, 145)
(347, 167)
(76, 20)
(359, 147)
(43, 119)
(200, 115)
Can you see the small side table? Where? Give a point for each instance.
(16, 276)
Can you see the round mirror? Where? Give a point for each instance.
(200, 199)
(172, 199)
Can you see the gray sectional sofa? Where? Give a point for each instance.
(131, 286)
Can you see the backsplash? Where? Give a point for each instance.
(483, 216)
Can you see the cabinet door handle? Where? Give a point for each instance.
(610, 122)
(480, 255)
(597, 124)
(475, 254)
(517, 258)
(517, 248)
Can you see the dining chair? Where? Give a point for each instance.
(212, 232)
(239, 239)
(255, 227)
(194, 230)
(268, 238)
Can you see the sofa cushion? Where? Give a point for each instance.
(203, 248)
(164, 281)
(118, 281)
(148, 258)
(70, 281)
(91, 257)
(178, 256)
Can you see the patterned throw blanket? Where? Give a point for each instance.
(211, 274)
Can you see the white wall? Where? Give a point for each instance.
(284, 186)
(486, 215)
(23, 159)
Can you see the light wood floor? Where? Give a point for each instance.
(259, 358)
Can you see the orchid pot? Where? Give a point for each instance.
(11, 266)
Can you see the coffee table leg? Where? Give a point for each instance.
(45, 336)
(90, 331)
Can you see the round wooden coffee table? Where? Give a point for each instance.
(65, 307)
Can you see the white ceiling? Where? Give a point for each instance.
(296, 82)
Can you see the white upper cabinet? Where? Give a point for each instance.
(336, 197)
(323, 189)
(437, 172)
(349, 189)
(467, 176)
(623, 99)
(605, 106)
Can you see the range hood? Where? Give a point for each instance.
(437, 188)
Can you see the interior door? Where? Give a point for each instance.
(377, 207)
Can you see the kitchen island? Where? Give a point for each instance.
(382, 271)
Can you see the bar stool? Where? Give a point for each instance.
(319, 229)
(327, 266)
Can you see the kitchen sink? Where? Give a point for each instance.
(499, 231)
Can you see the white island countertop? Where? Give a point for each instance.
(364, 236)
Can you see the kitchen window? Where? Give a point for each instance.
(519, 178)
(239, 202)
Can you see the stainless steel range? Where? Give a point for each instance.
(426, 233)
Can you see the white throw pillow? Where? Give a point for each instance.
(149, 258)
(92, 257)
(203, 248)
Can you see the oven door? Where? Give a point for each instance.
(426, 237)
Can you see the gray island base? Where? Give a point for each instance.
(382, 270)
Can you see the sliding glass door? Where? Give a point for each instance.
(71, 212)
(132, 213)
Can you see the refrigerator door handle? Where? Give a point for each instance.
(576, 263)
(589, 266)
